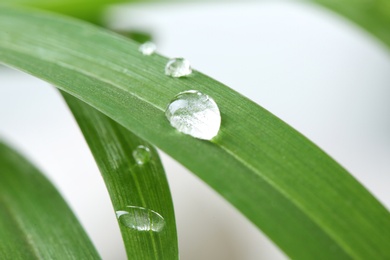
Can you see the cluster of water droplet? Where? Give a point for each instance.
(190, 112)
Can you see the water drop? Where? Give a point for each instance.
(141, 154)
(178, 67)
(141, 219)
(194, 113)
(148, 48)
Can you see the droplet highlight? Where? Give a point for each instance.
(141, 154)
(141, 219)
(178, 67)
(147, 48)
(194, 113)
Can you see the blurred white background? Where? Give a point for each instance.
(318, 72)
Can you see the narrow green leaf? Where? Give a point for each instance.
(35, 221)
(148, 235)
(138, 36)
(373, 15)
(89, 10)
(301, 198)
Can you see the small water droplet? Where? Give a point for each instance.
(141, 219)
(148, 48)
(178, 67)
(141, 154)
(194, 113)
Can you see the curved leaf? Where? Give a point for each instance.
(373, 15)
(89, 10)
(35, 221)
(139, 188)
(301, 198)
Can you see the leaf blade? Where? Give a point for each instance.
(88, 10)
(130, 184)
(36, 222)
(373, 16)
(261, 165)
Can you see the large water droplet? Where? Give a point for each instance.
(140, 219)
(148, 48)
(178, 67)
(194, 113)
(141, 154)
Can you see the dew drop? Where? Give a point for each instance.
(141, 154)
(140, 219)
(194, 113)
(178, 67)
(148, 48)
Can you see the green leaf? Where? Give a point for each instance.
(138, 36)
(89, 10)
(131, 184)
(373, 15)
(301, 198)
(35, 221)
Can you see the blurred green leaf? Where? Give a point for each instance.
(372, 15)
(88, 10)
(140, 186)
(138, 36)
(300, 197)
(35, 222)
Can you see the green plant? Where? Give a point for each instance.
(271, 173)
